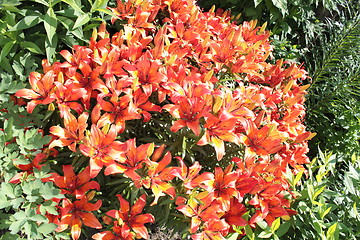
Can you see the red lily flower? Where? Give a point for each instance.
(118, 110)
(67, 97)
(131, 160)
(131, 219)
(101, 148)
(76, 185)
(73, 132)
(76, 213)
(42, 91)
(218, 130)
(190, 176)
(222, 189)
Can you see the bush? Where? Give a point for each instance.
(329, 202)
(178, 113)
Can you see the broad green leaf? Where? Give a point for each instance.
(275, 225)
(32, 47)
(98, 4)
(281, 5)
(51, 47)
(257, 2)
(38, 218)
(3, 200)
(331, 231)
(232, 236)
(46, 3)
(323, 214)
(50, 24)
(105, 10)
(46, 228)
(262, 224)
(349, 184)
(73, 4)
(81, 20)
(317, 193)
(298, 177)
(249, 232)
(265, 234)
(6, 49)
(284, 227)
(9, 236)
(26, 22)
(8, 128)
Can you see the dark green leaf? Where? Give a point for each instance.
(32, 47)
(26, 22)
(6, 49)
(81, 20)
(74, 5)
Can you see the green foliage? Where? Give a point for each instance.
(23, 205)
(333, 103)
(329, 201)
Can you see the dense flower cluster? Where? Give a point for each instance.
(198, 76)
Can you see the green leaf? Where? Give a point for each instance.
(262, 224)
(81, 20)
(330, 234)
(298, 177)
(3, 200)
(249, 232)
(265, 234)
(9, 236)
(275, 225)
(284, 227)
(6, 49)
(46, 228)
(50, 24)
(73, 4)
(232, 236)
(32, 47)
(98, 4)
(257, 2)
(8, 129)
(281, 5)
(323, 214)
(26, 22)
(38, 218)
(317, 193)
(42, 2)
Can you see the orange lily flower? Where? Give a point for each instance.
(200, 213)
(76, 185)
(218, 130)
(117, 111)
(190, 176)
(76, 213)
(67, 97)
(131, 219)
(222, 189)
(42, 91)
(263, 141)
(101, 148)
(131, 160)
(73, 132)
(158, 177)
